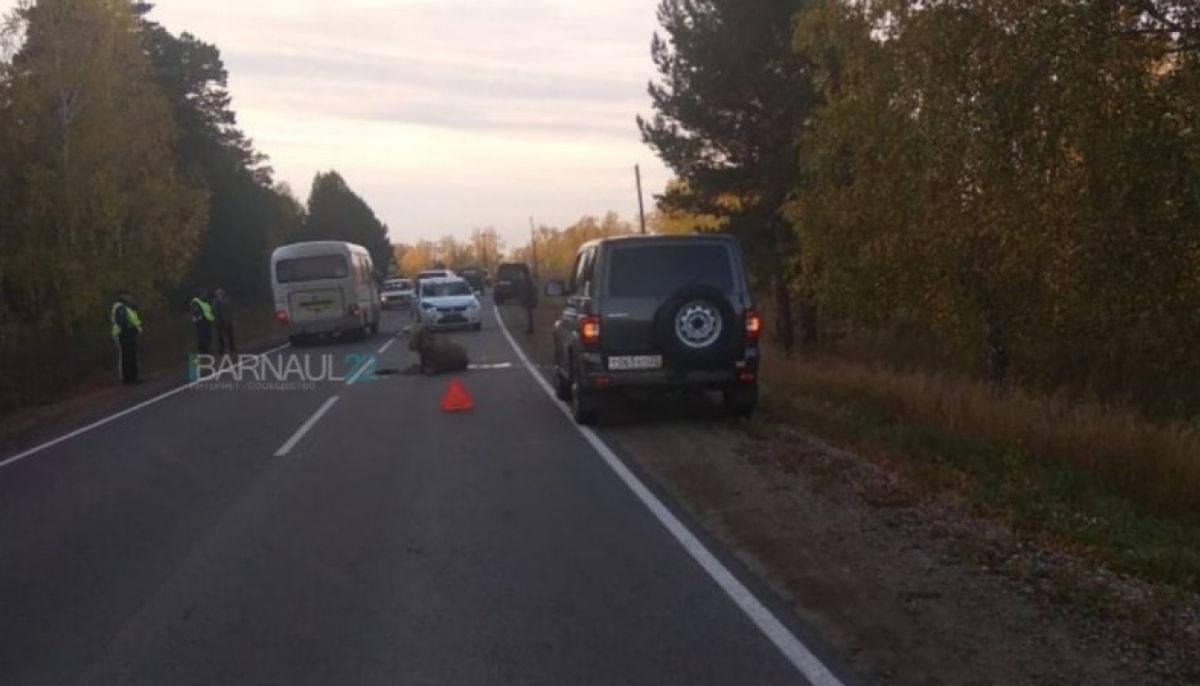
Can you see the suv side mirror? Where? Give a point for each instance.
(554, 288)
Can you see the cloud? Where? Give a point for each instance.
(406, 89)
(444, 114)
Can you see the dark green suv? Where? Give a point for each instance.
(656, 313)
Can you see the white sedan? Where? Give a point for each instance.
(397, 293)
(448, 302)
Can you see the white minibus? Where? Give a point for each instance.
(325, 288)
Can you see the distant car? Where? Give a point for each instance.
(397, 293)
(448, 302)
(656, 312)
(431, 274)
(474, 276)
(506, 276)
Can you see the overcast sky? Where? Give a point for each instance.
(444, 114)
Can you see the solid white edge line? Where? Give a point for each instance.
(306, 427)
(803, 659)
(127, 411)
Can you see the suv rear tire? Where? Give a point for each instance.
(583, 404)
(562, 386)
(580, 410)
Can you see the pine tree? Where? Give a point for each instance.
(729, 107)
(335, 212)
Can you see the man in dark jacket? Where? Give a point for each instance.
(223, 311)
(527, 296)
(126, 326)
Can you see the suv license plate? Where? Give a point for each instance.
(633, 362)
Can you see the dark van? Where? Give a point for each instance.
(504, 287)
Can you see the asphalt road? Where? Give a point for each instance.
(204, 540)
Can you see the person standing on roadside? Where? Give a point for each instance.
(202, 321)
(527, 296)
(126, 325)
(223, 310)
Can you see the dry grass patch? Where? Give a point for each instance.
(1101, 480)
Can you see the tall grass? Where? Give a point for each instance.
(1156, 464)
(1102, 481)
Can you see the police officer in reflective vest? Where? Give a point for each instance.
(126, 327)
(202, 318)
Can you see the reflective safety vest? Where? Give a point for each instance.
(131, 318)
(205, 309)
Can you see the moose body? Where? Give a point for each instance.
(437, 355)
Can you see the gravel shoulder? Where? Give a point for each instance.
(910, 588)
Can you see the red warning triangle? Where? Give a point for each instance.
(457, 398)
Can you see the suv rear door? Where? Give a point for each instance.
(640, 276)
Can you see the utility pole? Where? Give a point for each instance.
(533, 247)
(637, 171)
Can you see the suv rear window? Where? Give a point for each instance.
(311, 269)
(510, 271)
(657, 271)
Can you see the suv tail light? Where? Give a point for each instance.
(589, 330)
(282, 316)
(753, 325)
(354, 310)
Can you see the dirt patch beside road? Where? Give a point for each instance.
(912, 589)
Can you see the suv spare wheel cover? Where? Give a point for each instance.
(698, 324)
(697, 327)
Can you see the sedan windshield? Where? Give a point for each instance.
(438, 290)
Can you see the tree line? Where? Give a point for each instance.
(484, 249)
(551, 249)
(122, 166)
(1019, 181)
